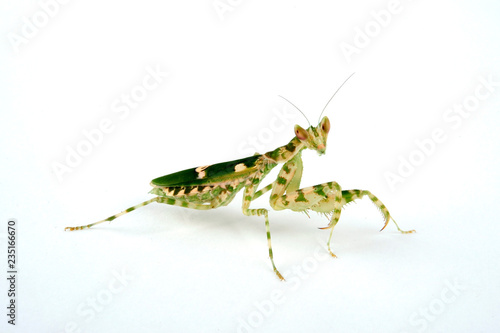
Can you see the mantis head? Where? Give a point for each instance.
(314, 138)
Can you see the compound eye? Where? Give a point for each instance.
(301, 133)
(325, 125)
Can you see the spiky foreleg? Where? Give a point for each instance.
(332, 203)
(351, 195)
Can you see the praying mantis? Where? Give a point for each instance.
(212, 186)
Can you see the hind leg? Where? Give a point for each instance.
(166, 200)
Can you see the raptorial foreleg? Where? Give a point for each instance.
(329, 205)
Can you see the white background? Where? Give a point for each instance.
(195, 271)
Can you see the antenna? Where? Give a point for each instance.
(297, 109)
(333, 96)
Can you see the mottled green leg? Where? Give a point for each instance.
(327, 198)
(351, 195)
(287, 195)
(111, 218)
(333, 202)
(347, 196)
(262, 191)
(248, 196)
(324, 198)
(165, 200)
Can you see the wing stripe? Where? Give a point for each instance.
(206, 174)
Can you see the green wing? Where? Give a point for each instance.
(210, 174)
